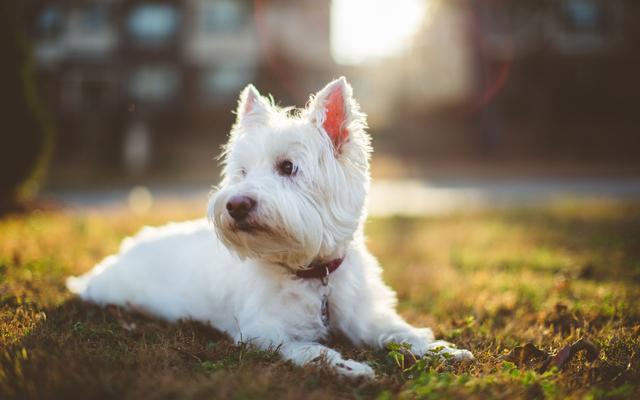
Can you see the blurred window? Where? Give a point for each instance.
(153, 22)
(154, 83)
(583, 15)
(50, 22)
(93, 18)
(88, 20)
(223, 16)
(218, 84)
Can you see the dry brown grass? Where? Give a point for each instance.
(489, 282)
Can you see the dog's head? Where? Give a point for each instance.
(295, 181)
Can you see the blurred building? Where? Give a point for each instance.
(517, 79)
(564, 73)
(124, 75)
(136, 83)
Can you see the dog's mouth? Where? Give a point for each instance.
(255, 238)
(250, 227)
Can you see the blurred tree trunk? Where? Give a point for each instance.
(26, 134)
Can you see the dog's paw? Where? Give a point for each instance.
(458, 354)
(443, 349)
(354, 369)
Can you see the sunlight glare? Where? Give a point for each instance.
(369, 29)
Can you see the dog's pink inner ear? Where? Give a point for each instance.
(250, 102)
(335, 118)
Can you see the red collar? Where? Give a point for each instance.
(320, 270)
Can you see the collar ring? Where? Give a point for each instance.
(325, 277)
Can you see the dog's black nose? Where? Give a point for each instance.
(240, 206)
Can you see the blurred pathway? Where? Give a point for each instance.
(402, 197)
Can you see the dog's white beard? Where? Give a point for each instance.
(292, 238)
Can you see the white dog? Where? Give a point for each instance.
(286, 263)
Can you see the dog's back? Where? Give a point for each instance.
(164, 270)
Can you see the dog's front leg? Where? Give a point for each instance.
(299, 352)
(387, 327)
(304, 353)
(368, 316)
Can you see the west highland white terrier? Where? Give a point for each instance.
(285, 262)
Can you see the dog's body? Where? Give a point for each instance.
(292, 196)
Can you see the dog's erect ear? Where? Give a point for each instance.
(252, 107)
(333, 110)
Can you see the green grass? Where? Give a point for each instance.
(488, 282)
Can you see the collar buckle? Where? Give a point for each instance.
(320, 271)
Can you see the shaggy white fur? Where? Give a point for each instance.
(240, 277)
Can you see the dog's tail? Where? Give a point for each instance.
(81, 285)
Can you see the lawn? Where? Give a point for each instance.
(516, 287)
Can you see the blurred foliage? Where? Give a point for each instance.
(26, 131)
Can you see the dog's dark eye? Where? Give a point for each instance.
(243, 172)
(286, 168)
